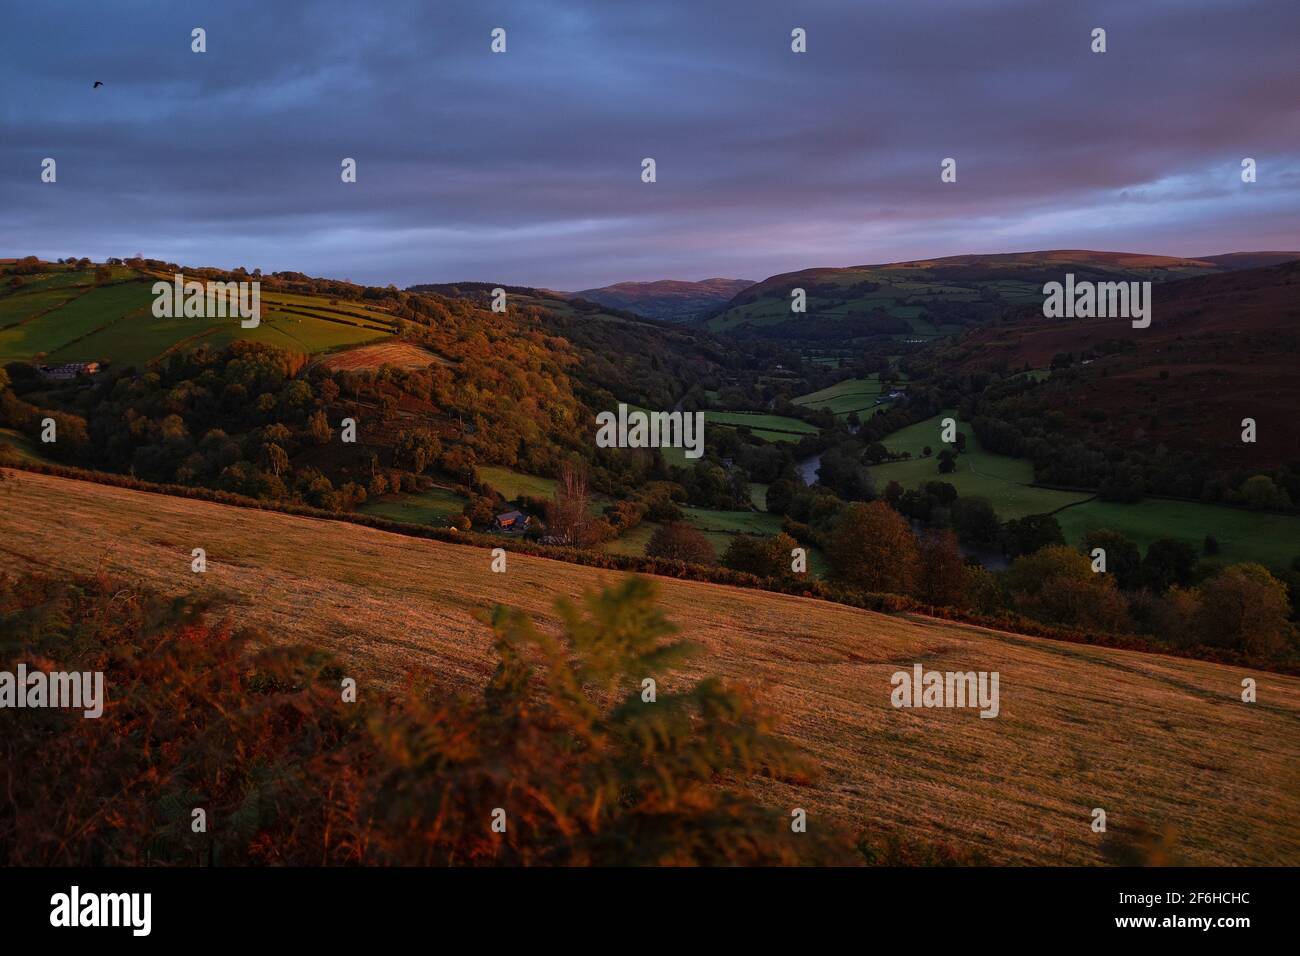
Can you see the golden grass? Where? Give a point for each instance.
(398, 354)
(1156, 741)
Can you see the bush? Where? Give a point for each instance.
(762, 556)
(203, 715)
(681, 542)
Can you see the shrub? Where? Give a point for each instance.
(681, 542)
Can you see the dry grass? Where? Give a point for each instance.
(397, 354)
(1156, 741)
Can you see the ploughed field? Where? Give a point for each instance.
(1155, 741)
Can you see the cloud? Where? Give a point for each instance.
(525, 167)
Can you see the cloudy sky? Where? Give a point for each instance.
(525, 167)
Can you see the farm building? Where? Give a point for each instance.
(514, 522)
(68, 370)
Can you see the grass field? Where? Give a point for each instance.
(1156, 741)
(390, 352)
(75, 320)
(1271, 540)
(115, 323)
(1005, 482)
(512, 483)
(435, 507)
(851, 395)
(770, 427)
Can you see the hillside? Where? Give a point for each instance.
(913, 302)
(1156, 741)
(66, 314)
(1220, 348)
(669, 299)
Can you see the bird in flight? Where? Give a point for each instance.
(98, 84)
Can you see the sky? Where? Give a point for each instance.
(524, 167)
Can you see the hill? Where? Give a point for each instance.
(67, 314)
(1220, 348)
(921, 300)
(1156, 741)
(669, 299)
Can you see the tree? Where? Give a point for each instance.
(318, 427)
(1056, 584)
(1123, 559)
(765, 556)
(416, 449)
(568, 517)
(872, 547)
(1169, 562)
(1030, 533)
(976, 521)
(947, 462)
(680, 542)
(1260, 493)
(941, 578)
(780, 494)
(1244, 607)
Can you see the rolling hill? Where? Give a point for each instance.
(1220, 348)
(669, 299)
(66, 315)
(1159, 742)
(918, 301)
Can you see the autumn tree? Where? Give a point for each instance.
(872, 547)
(318, 427)
(680, 542)
(416, 449)
(1057, 585)
(941, 577)
(767, 556)
(568, 516)
(1244, 607)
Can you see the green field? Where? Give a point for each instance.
(76, 320)
(853, 394)
(1271, 540)
(769, 427)
(115, 323)
(1005, 482)
(22, 307)
(437, 507)
(512, 483)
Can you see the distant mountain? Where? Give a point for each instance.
(669, 299)
(1250, 260)
(926, 298)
